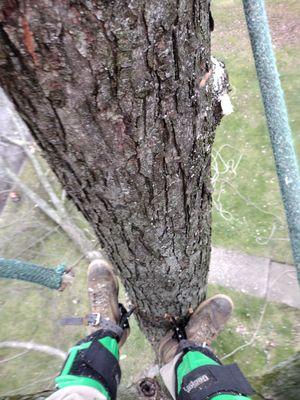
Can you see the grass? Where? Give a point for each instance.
(31, 313)
(251, 197)
(276, 339)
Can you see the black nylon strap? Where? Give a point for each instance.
(105, 364)
(205, 382)
(101, 333)
(97, 362)
(186, 346)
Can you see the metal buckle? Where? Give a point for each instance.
(94, 319)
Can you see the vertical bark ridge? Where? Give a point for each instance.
(110, 91)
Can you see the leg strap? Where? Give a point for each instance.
(187, 345)
(204, 382)
(100, 360)
(92, 360)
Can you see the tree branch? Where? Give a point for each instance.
(39, 172)
(52, 351)
(42, 204)
(24, 145)
(58, 212)
(60, 218)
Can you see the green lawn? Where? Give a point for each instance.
(31, 313)
(248, 212)
(247, 209)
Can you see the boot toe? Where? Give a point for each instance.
(223, 305)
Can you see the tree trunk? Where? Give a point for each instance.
(117, 95)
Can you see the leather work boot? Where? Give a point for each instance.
(209, 319)
(204, 325)
(167, 348)
(103, 290)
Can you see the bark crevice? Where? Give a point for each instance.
(111, 92)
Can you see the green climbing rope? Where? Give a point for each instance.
(277, 119)
(49, 277)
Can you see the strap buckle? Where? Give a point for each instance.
(93, 319)
(124, 323)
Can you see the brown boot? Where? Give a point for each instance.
(209, 319)
(167, 348)
(103, 290)
(203, 327)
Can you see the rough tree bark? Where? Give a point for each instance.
(118, 96)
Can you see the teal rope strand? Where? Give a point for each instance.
(277, 119)
(49, 277)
